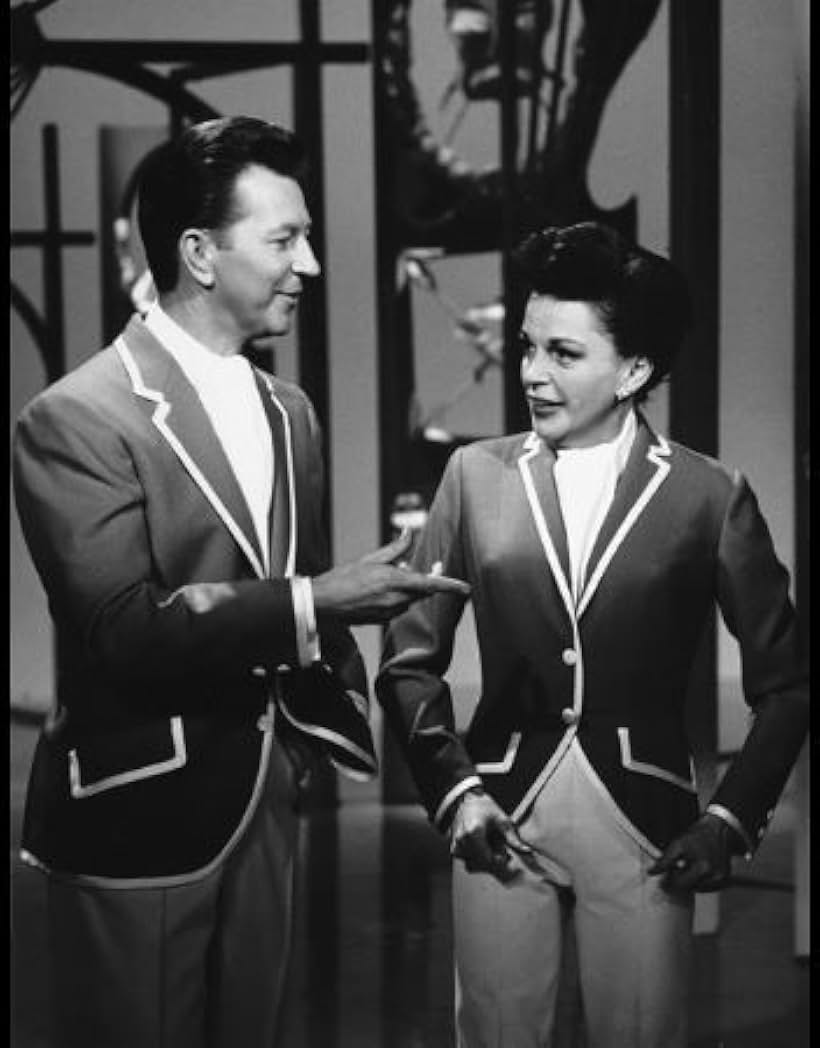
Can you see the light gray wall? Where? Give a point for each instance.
(631, 156)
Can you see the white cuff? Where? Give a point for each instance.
(304, 614)
(450, 798)
(735, 823)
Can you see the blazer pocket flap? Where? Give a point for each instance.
(505, 760)
(654, 757)
(121, 758)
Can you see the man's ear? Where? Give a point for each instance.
(640, 368)
(197, 251)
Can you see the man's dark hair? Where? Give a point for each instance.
(642, 300)
(189, 182)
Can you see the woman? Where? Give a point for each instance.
(595, 549)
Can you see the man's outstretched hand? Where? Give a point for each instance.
(379, 586)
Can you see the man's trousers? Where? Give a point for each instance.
(196, 966)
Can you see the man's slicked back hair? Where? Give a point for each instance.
(189, 182)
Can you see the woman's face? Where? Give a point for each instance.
(571, 371)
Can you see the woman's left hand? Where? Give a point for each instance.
(700, 859)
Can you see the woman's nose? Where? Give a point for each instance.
(535, 368)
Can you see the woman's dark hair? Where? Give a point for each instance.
(642, 300)
(189, 181)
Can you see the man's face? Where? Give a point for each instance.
(262, 256)
(570, 370)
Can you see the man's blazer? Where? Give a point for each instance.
(611, 670)
(174, 645)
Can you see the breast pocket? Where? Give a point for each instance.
(117, 759)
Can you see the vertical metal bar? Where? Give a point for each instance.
(558, 73)
(312, 326)
(694, 193)
(392, 424)
(52, 257)
(514, 414)
(308, 124)
(803, 478)
(394, 355)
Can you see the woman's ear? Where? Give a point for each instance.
(196, 249)
(637, 374)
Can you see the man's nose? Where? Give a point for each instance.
(305, 262)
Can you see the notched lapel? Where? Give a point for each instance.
(645, 471)
(281, 517)
(179, 416)
(536, 468)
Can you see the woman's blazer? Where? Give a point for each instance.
(611, 670)
(174, 644)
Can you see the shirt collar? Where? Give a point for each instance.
(619, 448)
(201, 365)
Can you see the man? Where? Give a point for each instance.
(170, 495)
(596, 550)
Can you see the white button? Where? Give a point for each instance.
(570, 656)
(283, 668)
(265, 722)
(569, 716)
(259, 671)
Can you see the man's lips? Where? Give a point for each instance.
(536, 403)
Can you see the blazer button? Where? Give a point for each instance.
(259, 671)
(570, 716)
(265, 722)
(569, 656)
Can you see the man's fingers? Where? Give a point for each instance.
(415, 582)
(392, 551)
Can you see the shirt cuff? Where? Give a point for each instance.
(450, 798)
(735, 823)
(304, 614)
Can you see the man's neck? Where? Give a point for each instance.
(192, 316)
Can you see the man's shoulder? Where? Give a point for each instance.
(89, 380)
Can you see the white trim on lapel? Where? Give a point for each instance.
(657, 454)
(158, 418)
(290, 563)
(533, 446)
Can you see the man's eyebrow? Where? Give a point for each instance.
(292, 227)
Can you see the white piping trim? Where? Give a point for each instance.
(661, 448)
(523, 805)
(543, 531)
(332, 736)
(158, 419)
(452, 795)
(506, 762)
(622, 820)
(654, 770)
(146, 771)
(174, 880)
(403, 656)
(291, 559)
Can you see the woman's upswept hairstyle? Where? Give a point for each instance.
(189, 182)
(641, 298)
